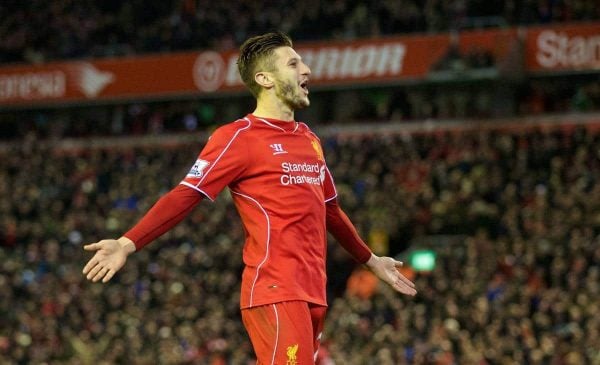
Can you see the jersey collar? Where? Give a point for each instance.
(283, 125)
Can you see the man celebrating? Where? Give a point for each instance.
(281, 186)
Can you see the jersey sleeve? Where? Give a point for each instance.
(222, 160)
(168, 211)
(340, 226)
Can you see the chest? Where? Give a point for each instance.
(279, 151)
(281, 161)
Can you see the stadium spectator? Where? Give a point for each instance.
(402, 103)
(41, 31)
(519, 287)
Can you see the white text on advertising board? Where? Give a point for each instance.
(33, 85)
(557, 49)
(339, 63)
(355, 61)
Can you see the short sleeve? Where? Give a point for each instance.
(222, 160)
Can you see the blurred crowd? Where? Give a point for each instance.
(520, 287)
(518, 284)
(48, 30)
(464, 101)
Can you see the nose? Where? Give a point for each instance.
(305, 69)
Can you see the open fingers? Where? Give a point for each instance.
(90, 265)
(93, 261)
(94, 271)
(108, 275)
(100, 274)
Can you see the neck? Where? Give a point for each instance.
(273, 109)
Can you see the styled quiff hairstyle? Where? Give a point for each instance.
(256, 55)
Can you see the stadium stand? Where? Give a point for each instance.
(504, 192)
(524, 201)
(64, 29)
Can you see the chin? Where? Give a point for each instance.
(299, 103)
(304, 102)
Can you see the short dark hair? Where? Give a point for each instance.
(255, 55)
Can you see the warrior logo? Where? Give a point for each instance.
(277, 149)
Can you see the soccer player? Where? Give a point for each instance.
(276, 172)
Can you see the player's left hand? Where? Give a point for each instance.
(386, 268)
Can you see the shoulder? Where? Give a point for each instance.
(306, 129)
(231, 130)
(235, 126)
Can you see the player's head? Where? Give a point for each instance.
(268, 62)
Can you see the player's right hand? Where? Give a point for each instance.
(109, 258)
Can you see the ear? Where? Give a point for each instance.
(264, 79)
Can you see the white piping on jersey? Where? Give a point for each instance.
(276, 334)
(274, 126)
(335, 194)
(197, 189)
(332, 184)
(267, 243)
(318, 346)
(330, 199)
(224, 150)
(308, 129)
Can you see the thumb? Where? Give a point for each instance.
(398, 264)
(93, 246)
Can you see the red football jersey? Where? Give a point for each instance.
(280, 183)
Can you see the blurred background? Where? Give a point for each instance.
(463, 136)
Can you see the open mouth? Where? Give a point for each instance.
(304, 86)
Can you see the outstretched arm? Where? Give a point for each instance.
(386, 268)
(112, 254)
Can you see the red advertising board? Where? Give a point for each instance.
(381, 60)
(560, 48)
(134, 77)
(209, 71)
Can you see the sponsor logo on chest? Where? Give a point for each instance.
(302, 173)
(305, 170)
